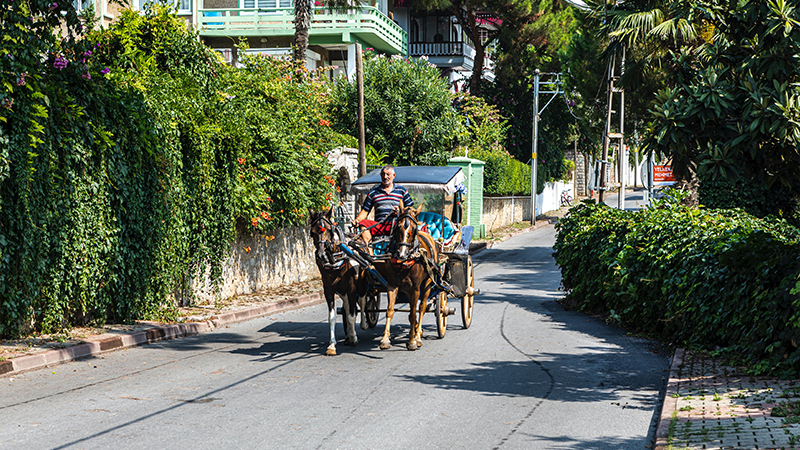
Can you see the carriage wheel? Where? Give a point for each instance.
(441, 314)
(467, 300)
(372, 305)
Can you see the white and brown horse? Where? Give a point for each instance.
(340, 276)
(407, 273)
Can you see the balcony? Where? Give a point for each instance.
(366, 25)
(452, 55)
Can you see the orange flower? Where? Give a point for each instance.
(242, 160)
(246, 249)
(324, 123)
(264, 214)
(254, 221)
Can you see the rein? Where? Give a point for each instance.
(328, 253)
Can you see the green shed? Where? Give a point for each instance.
(473, 171)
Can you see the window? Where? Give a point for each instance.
(227, 54)
(267, 4)
(184, 6)
(80, 5)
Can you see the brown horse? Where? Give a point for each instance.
(340, 276)
(407, 273)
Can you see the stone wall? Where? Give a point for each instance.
(581, 175)
(501, 211)
(256, 264)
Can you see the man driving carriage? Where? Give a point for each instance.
(386, 199)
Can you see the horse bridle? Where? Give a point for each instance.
(413, 246)
(328, 253)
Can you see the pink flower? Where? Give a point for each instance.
(105, 71)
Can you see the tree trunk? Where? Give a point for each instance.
(480, 54)
(302, 23)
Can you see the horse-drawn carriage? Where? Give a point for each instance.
(423, 263)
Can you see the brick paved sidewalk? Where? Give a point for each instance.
(712, 406)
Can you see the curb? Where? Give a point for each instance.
(54, 357)
(670, 404)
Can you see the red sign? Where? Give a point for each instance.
(663, 175)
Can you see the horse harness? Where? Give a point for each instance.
(328, 253)
(416, 253)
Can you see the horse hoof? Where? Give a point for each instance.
(419, 342)
(331, 351)
(352, 343)
(385, 345)
(364, 326)
(411, 346)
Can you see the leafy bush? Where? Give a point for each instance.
(502, 174)
(751, 196)
(691, 276)
(128, 157)
(407, 110)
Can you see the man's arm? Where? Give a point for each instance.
(407, 200)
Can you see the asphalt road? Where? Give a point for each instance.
(526, 375)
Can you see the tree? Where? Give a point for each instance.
(533, 36)
(733, 112)
(469, 13)
(408, 110)
(303, 10)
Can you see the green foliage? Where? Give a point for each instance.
(751, 196)
(502, 174)
(129, 156)
(569, 169)
(83, 208)
(484, 138)
(734, 109)
(691, 276)
(407, 108)
(485, 129)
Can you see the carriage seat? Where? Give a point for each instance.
(434, 222)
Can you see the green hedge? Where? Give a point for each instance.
(694, 277)
(502, 174)
(751, 196)
(130, 154)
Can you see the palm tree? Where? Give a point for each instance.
(303, 10)
(302, 22)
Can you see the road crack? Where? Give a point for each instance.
(541, 366)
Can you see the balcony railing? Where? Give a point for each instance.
(367, 24)
(441, 49)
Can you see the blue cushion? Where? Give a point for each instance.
(434, 222)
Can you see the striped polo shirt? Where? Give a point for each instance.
(384, 202)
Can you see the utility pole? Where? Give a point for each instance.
(553, 82)
(362, 137)
(612, 89)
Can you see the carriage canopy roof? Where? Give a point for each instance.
(427, 179)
